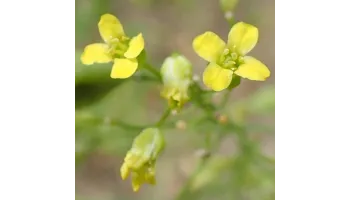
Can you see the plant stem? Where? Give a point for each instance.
(154, 71)
(225, 99)
(186, 189)
(164, 117)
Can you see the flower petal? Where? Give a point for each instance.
(124, 171)
(136, 45)
(123, 68)
(110, 27)
(253, 69)
(216, 77)
(242, 37)
(95, 53)
(135, 182)
(209, 46)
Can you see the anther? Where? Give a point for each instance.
(226, 51)
(234, 56)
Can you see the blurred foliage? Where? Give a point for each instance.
(110, 113)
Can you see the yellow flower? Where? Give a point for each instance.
(229, 60)
(141, 158)
(117, 47)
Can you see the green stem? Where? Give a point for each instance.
(163, 117)
(82, 117)
(225, 99)
(186, 189)
(154, 71)
(198, 99)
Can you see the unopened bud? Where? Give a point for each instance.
(196, 77)
(228, 5)
(176, 73)
(174, 112)
(222, 119)
(229, 15)
(182, 125)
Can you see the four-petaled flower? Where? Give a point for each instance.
(117, 47)
(228, 60)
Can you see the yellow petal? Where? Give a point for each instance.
(151, 180)
(150, 175)
(216, 77)
(110, 27)
(95, 53)
(136, 45)
(135, 186)
(243, 37)
(253, 69)
(123, 68)
(124, 171)
(209, 46)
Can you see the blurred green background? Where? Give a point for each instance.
(110, 113)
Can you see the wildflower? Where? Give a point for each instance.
(176, 73)
(118, 48)
(140, 160)
(229, 60)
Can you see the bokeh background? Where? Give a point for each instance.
(110, 113)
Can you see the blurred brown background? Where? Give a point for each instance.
(168, 26)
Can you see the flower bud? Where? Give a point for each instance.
(176, 73)
(228, 5)
(222, 118)
(181, 125)
(140, 159)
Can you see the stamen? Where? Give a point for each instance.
(226, 51)
(234, 56)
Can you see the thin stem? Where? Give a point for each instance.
(163, 117)
(186, 189)
(91, 119)
(225, 99)
(153, 70)
(144, 78)
(199, 100)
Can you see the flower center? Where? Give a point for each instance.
(230, 60)
(118, 46)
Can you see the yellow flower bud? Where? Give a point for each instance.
(141, 158)
(176, 73)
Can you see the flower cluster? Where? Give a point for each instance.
(226, 62)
